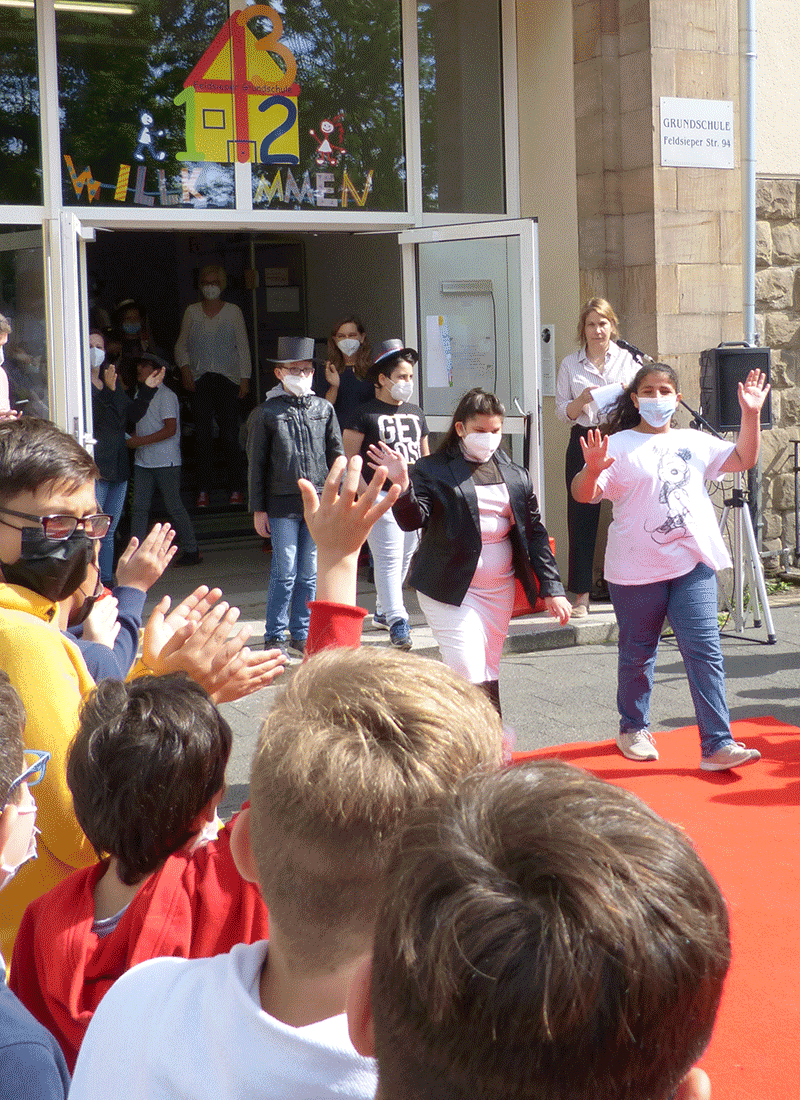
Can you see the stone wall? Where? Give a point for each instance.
(778, 322)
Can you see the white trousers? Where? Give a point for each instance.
(392, 550)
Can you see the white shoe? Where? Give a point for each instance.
(637, 745)
(732, 755)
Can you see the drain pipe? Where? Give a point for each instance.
(747, 115)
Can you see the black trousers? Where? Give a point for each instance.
(216, 397)
(582, 520)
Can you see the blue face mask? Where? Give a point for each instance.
(658, 411)
(131, 328)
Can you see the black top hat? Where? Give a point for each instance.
(294, 349)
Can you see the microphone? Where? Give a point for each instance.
(637, 353)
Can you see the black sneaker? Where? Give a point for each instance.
(276, 643)
(188, 558)
(297, 647)
(400, 634)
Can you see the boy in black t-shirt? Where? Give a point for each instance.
(390, 418)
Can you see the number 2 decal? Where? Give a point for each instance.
(265, 157)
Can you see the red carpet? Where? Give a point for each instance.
(746, 826)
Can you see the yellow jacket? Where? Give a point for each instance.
(49, 672)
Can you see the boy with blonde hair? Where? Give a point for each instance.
(546, 935)
(355, 741)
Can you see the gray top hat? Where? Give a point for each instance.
(394, 348)
(294, 349)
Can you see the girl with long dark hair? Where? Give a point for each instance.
(481, 528)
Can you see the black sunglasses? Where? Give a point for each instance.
(59, 528)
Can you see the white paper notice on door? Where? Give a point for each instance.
(438, 352)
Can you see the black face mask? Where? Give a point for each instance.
(53, 569)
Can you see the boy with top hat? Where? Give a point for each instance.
(294, 435)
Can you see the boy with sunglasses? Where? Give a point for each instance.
(31, 1062)
(49, 532)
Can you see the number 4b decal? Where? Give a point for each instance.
(264, 156)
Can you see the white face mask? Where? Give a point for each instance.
(480, 446)
(401, 391)
(96, 357)
(658, 411)
(210, 292)
(298, 384)
(348, 347)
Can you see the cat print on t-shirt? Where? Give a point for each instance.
(674, 472)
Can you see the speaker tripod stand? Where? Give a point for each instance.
(747, 565)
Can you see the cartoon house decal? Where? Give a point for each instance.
(240, 104)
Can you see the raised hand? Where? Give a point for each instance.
(595, 451)
(164, 625)
(381, 454)
(753, 391)
(332, 375)
(340, 520)
(155, 378)
(141, 566)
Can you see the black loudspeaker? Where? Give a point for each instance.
(721, 370)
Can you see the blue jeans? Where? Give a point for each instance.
(292, 577)
(168, 479)
(110, 496)
(689, 604)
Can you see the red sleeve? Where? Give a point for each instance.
(334, 626)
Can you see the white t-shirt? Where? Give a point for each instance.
(195, 1029)
(664, 522)
(163, 406)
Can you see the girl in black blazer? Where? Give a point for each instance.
(481, 528)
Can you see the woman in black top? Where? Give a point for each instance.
(390, 418)
(345, 384)
(481, 528)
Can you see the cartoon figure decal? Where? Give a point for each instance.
(327, 152)
(674, 472)
(146, 136)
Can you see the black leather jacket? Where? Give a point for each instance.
(441, 499)
(289, 438)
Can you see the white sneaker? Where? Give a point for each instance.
(732, 755)
(637, 745)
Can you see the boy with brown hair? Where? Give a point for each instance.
(355, 741)
(146, 772)
(546, 935)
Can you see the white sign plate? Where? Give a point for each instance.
(696, 133)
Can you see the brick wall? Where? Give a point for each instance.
(778, 322)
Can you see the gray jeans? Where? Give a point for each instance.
(168, 479)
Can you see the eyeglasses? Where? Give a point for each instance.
(59, 528)
(298, 371)
(33, 774)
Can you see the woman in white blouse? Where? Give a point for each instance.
(213, 352)
(599, 362)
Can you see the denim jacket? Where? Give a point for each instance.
(289, 438)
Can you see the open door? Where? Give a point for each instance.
(471, 293)
(68, 321)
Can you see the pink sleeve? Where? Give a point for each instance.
(334, 625)
(5, 400)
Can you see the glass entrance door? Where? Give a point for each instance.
(67, 315)
(471, 293)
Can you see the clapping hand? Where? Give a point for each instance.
(101, 624)
(141, 566)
